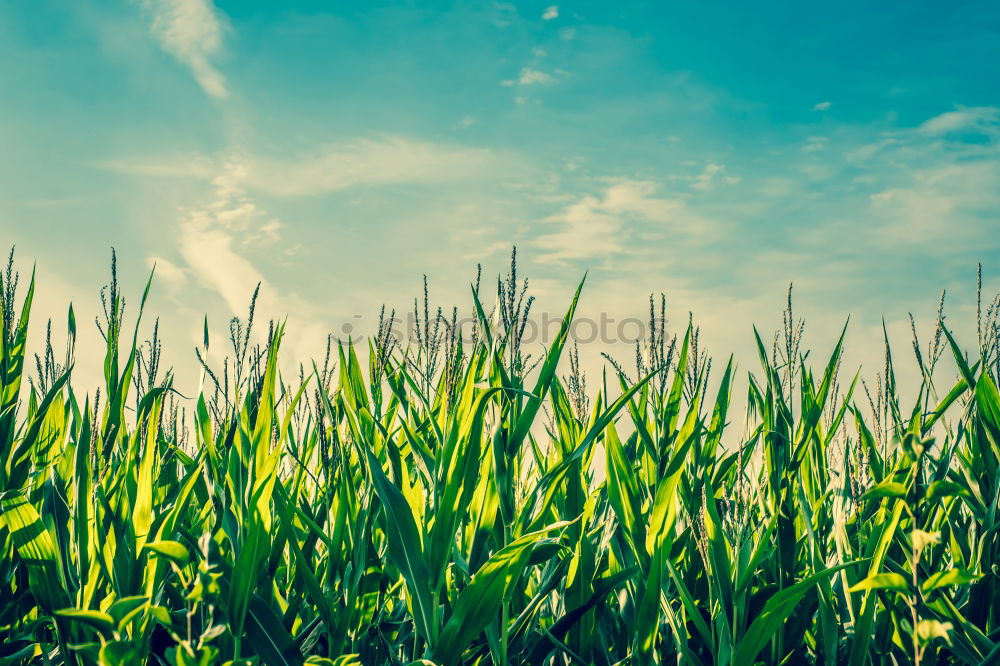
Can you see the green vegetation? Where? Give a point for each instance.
(456, 502)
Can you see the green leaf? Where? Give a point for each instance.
(948, 578)
(37, 549)
(268, 638)
(118, 653)
(170, 549)
(777, 609)
(942, 489)
(405, 548)
(480, 602)
(885, 489)
(103, 622)
(883, 581)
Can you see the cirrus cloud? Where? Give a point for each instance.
(191, 31)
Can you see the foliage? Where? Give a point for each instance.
(454, 502)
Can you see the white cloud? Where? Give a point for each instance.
(946, 204)
(930, 186)
(550, 13)
(910, 213)
(530, 76)
(713, 174)
(191, 31)
(383, 161)
(198, 167)
(207, 240)
(168, 273)
(504, 14)
(977, 118)
(227, 242)
(589, 230)
(815, 143)
(822, 106)
(269, 232)
(213, 243)
(598, 227)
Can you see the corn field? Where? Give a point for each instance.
(453, 500)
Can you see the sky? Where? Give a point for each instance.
(337, 152)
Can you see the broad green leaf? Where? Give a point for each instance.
(883, 581)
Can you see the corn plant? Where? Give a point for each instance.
(454, 501)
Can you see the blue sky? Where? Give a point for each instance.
(338, 151)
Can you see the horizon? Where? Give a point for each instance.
(609, 347)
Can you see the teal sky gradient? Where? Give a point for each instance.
(337, 151)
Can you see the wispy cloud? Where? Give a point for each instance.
(550, 13)
(604, 226)
(814, 144)
(822, 106)
(504, 14)
(940, 206)
(168, 272)
(927, 190)
(711, 176)
(383, 160)
(227, 241)
(191, 31)
(207, 240)
(985, 119)
(216, 242)
(198, 167)
(530, 76)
